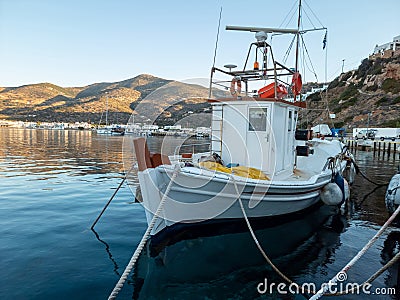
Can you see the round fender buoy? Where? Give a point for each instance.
(392, 197)
(352, 174)
(331, 194)
(346, 190)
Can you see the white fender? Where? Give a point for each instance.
(331, 194)
(392, 198)
(346, 190)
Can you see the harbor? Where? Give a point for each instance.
(51, 196)
(246, 167)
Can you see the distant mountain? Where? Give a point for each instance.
(374, 88)
(49, 102)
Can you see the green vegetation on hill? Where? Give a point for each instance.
(373, 88)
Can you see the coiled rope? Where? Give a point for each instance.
(144, 239)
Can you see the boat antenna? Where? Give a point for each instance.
(215, 50)
(216, 42)
(298, 38)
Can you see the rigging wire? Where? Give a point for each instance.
(291, 11)
(326, 78)
(286, 56)
(315, 16)
(216, 42)
(312, 70)
(305, 12)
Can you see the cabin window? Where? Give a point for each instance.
(290, 121)
(258, 119)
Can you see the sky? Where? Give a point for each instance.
(79, 42)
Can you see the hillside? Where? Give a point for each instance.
(48, 102)
(374, 88)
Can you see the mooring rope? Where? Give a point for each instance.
(112, 197)
(345, 269)
(144, 239)
(371, 278)
(358, 171)
(269, 261)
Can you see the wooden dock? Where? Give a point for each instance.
(378, 147)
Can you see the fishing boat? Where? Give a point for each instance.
(259, 164)
(313, 238)
(109, 129)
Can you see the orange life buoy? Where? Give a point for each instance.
(296, 84)
(236, 86)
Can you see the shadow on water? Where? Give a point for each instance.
(391, 247)
(227, 265)
(221, 261)
(108, 250)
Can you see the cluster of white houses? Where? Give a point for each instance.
(136, 128)
(388, 49)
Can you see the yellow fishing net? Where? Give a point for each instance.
(239, 171)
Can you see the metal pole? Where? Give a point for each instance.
(342, 65)
(109, 201)
(298, 38)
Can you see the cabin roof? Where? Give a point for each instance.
(300, 104)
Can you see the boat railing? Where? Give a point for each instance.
(192, 146)
(274, 73)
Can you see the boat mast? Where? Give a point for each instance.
(107, 110)
(298, 38)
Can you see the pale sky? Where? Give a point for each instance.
(79, 42)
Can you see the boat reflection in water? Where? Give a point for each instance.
(221, 261)
(390, 248)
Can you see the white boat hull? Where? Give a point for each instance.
(198, 195)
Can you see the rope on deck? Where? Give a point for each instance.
(145, 237)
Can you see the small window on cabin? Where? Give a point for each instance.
(290, 121)
(258, 119)
(295, 120)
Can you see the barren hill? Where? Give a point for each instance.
(374, 88)
(48, 102)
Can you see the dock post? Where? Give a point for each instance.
(384, 150)
(379, 149)
(389, 146)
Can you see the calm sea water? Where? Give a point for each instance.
(53, 184)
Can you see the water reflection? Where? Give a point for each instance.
(230, 265)
(108, 250)
(390, 248)
(53, 152)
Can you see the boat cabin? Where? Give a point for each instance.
(258, 134)
(256, 127)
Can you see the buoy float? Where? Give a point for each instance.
(339, 180)
(352, 173)
(346, 190)
(236, 83)
(392, 198)
(331, 194)
(296, 84)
